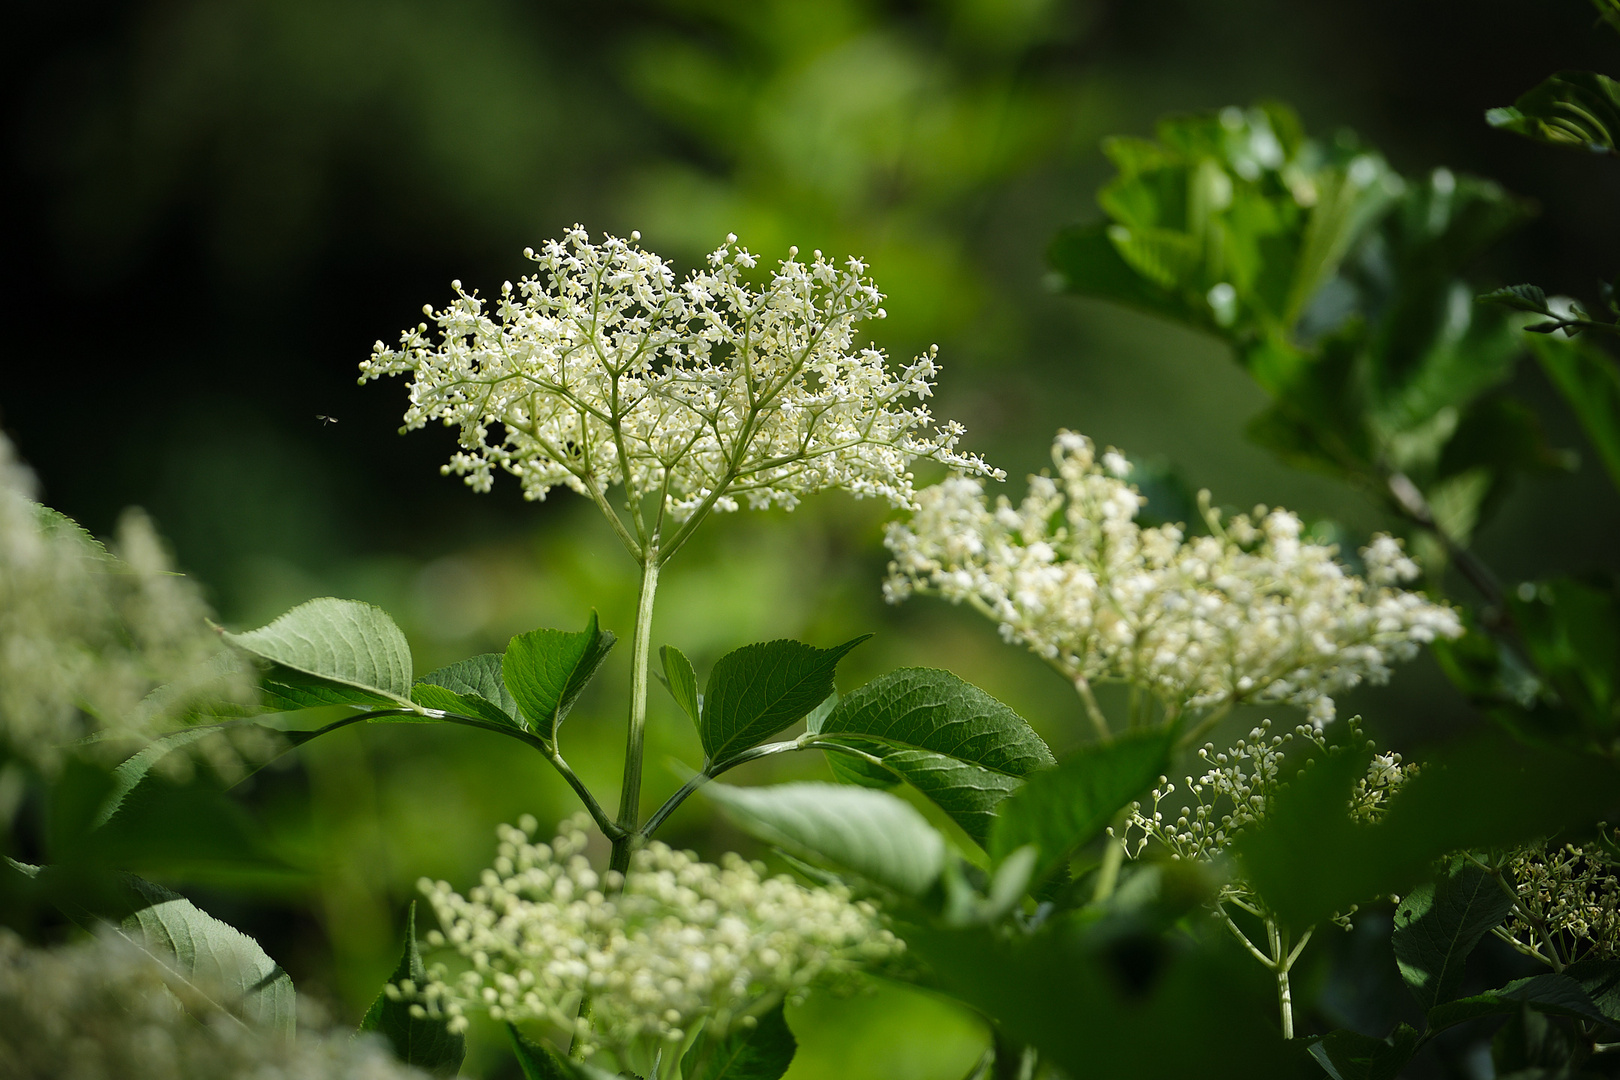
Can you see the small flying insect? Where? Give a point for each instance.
(325, 420)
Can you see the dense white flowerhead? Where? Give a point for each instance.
(1250, 613)
(673, 943)
(105, 1010)
(86, 634)
(701, 392)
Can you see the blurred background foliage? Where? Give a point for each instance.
(217, 206)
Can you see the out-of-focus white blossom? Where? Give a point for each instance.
(104, 1010)
(1569, 893)
(701, 392)
(1250, 613)
(673, 943)
(86, 635)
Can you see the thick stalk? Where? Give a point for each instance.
(1281, 962)
(630, 796)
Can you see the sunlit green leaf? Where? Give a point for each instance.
(546, 670)
(872, 833)
(348, 652)
(1438, 924)
(473, 687)
(950, 740)
(1572, 108)
(682, 682)
(758, 690)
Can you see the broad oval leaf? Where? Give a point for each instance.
(473, 687)
(348, 653)
(876, 835)
(950, 740)
(761, 1052)
(425, 1042)
(221, 962)
(1062, 809)
(546, 670)
(757, 690)
(1438, 924)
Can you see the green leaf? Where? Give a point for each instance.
(425, 1042)
(1349, 1055)
(1438, 924)
(545, 670)
(682, 683)
(219, 961)
(1571, 632)
(1062, 810)
(473, 687)
(876, 835)
(760, 689)
(1553, 994)
(950, 740)
(761, 1052)
(1601, 981)
(1572, 108)
(347, 652)
(540, 1062)
(1589, 380)
(1519, 298)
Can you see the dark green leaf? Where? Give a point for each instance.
(761, 1052)
(876, 835)
(218, 961)
(347, 652)
(760, 689)
(540, 1062)
(1349, 1055)
(425, 1042)
(1554, 994)
(1061, 810)
(1572, 108)
(1571, 631)
(682, 683)
(474, 687)
(545, 670)
(1589, 380)
(1438, 924)
(1601, 981)
(1519, 298)
(950, 740)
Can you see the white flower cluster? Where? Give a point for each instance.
(1570, 893)
(1250, 613)
(104, 1010)
(674, 942)
(605, 369)
(87, 634)
(1237, 788)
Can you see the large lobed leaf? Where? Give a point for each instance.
(950, 740)
(758, 690)
(872, 833)
(328, 651)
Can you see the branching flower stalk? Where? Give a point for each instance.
(690, 396)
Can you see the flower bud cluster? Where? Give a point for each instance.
(672, 943)
(702, 392)
(87, 634)
(104, 1010)
(1250, 613)
(1238, 786)
(1570, 892)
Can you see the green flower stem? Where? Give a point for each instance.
(630, 795)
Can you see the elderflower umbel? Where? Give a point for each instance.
(87, 634)
(105, 1010)
(1570, 893)
(701, 392)
(675, 942)
(1251, 613)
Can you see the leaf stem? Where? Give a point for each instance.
(635, 741)
(710, 773)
